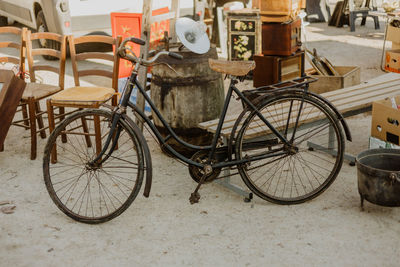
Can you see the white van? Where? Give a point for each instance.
(76, 17)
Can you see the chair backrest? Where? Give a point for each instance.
(15, 40)
(360, 4)
(92, 47)
(46, 65)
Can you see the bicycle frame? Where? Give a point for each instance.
(125, 102)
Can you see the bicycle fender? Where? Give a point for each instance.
(232, 135)
(147, 155)
(333, 108)
(319, 97)
(338, 114)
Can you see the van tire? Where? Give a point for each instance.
(41, 26)
(3, 21)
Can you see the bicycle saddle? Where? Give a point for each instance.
(235, 68)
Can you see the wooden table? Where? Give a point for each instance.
(11, 89)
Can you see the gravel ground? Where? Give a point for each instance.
(222, 230)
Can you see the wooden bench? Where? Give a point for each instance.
(349, 101)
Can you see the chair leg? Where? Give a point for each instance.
(25, 115)
(50, 112)
(86, 131)
(114, 103)
(32, 122)
(376, 22)
(62, 117)
(39, 119)
(352, 21)
(364, 19)
(97, 133)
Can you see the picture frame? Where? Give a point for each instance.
(126, 25)
(130, 25)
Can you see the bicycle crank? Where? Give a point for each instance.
(197, 173)
(195, 196)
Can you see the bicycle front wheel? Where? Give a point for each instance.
(308, 166)
(84, 192)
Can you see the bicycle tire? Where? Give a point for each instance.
(103, 192)
(297, 176)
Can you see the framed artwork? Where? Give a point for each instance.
(130, 24)
(242, 47)
(11, 90)
(158, 28)
(244, 38)
(126, 25)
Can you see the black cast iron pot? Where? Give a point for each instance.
(378, 172)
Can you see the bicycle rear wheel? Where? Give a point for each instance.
(308, 167)
(84, 192)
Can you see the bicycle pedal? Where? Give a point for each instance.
(194, 198)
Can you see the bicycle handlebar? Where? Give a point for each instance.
(132, 57)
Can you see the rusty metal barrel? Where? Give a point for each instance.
(189, 94)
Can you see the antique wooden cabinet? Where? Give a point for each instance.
(244, 34)
(274, 69)
(281, 39)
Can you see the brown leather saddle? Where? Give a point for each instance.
(235, 68)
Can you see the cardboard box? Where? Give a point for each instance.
(349, 76)
(378, 143)
(392, 61)
(393, 34)
(386, 120)
(395, 46)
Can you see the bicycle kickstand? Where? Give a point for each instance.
(195, 196)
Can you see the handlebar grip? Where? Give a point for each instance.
(175, 55)
(122, 51)
(137, 41)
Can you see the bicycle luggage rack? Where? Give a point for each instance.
(253, 94)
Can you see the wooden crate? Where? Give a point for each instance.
(274, 69)
(278, 11)
(349, 76)
(244, 34)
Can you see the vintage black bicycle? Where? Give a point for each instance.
(287, 145)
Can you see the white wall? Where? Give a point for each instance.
(92, 7)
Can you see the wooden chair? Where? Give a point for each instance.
(14, 58)
(88, 96)
(36, 91)
(19, 46)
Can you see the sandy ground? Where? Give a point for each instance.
(222, 230)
